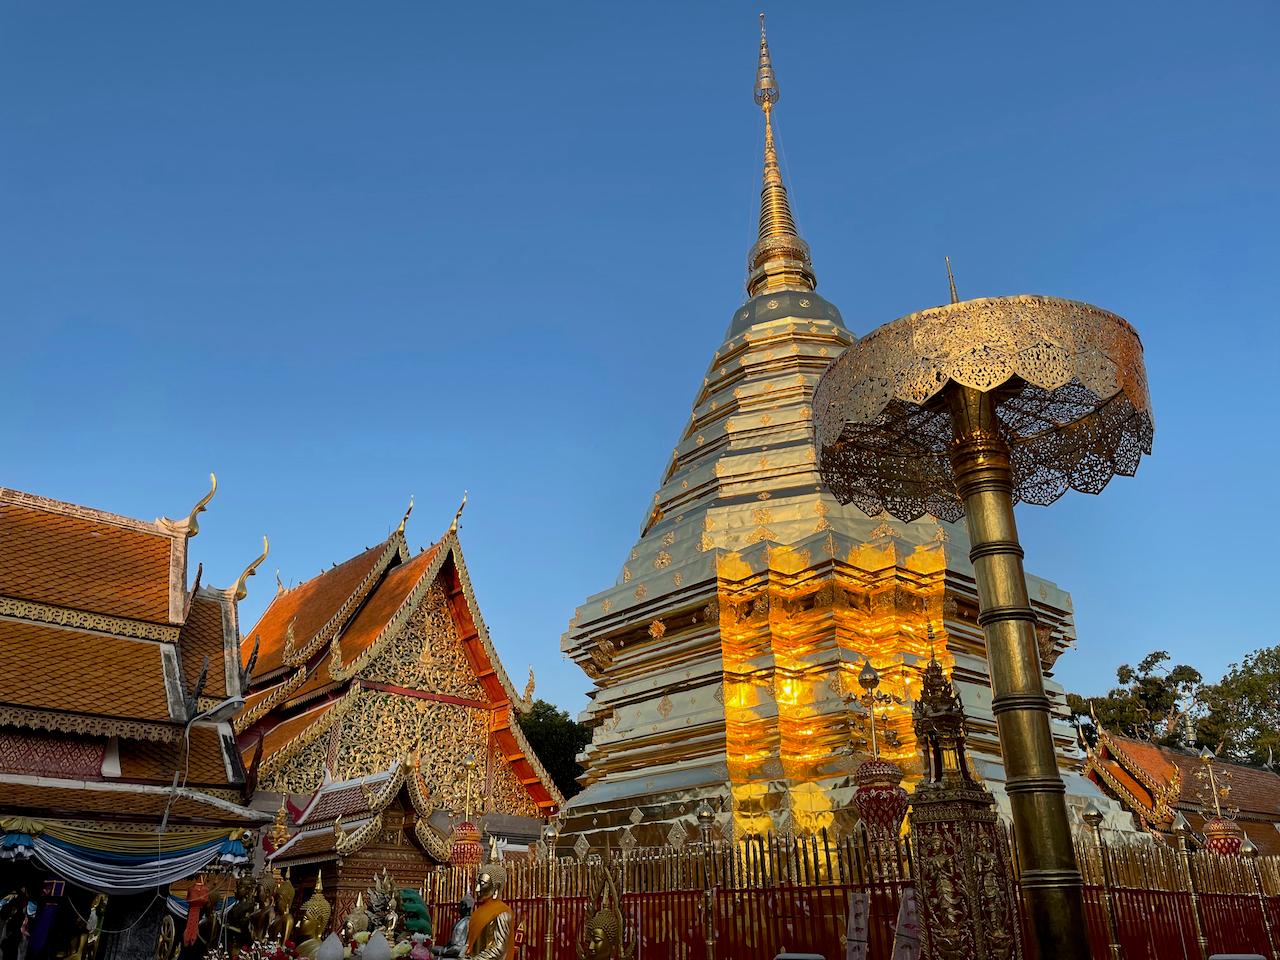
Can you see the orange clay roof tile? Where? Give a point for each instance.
(68, 561)
(202, 637)
(156, 762)
(378, 610)
(82, 672)
(313, 603)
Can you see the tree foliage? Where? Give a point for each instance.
(1242, 710)
(557, 739)
(1151, 701)
(1239, 716)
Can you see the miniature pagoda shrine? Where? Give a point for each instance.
(725, 655)
(379, 699)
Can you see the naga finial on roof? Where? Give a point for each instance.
(241, 591)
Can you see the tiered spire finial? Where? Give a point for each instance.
(779, 260)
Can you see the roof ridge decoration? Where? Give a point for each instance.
(395, 623)
(33, 718)
(87, 620)
(1136, 806)
(452, 547)
(349, 843)
(1132, 765)
(163, 527)
(329, 714)
(246, 718)
(240, 590)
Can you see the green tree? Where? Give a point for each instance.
(1242, 717)
(1150, 702)
(557, 739)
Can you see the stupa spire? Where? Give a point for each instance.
(779, 260)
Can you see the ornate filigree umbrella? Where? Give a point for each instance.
(961, 410)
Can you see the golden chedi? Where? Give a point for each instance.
(725, 652)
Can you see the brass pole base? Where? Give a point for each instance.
(1051, 885)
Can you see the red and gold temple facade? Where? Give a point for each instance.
(380, 658)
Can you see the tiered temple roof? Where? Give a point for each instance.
(104, 648)
(1156, 783)
(381, 657)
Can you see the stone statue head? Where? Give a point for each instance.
(492, 878)
(465, 906)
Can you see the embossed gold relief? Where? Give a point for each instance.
(792, 642)
(428, 653)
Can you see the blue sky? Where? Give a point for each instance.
(341, 253)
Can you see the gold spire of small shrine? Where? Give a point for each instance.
(779, 260)
(951, 281)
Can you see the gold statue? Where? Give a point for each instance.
(84, 945)
(239, 923)
(284, 907)
(490, 934)
(357, 921)
(602, 938)
(315, 920)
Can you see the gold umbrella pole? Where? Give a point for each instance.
(1051, 884)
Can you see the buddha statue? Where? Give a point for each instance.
(490, 936)
(602, 938)
(315, 920)
(284, 907)
(357, 921)
(238, 927)
(604, 933)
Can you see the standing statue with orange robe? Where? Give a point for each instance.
(491, 935)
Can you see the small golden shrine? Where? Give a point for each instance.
(381, 658)
(726, 654)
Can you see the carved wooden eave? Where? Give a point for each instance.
(326, 716)
(278, 694)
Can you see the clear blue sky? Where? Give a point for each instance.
(345, 252)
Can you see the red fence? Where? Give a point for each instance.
(1143, 898)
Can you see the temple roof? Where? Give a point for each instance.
(103, 644)
(80, 672)
(343, 621)
(1154, 783)
(314, 606)
(68, 556)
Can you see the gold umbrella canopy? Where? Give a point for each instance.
(1069, 391)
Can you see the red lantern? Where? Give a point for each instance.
(1223, 836)
(466, 850)
(879, 797)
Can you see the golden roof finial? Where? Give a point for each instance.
(242, 591)
(951, 281)
(405, 518)
(453, 527)
(779, 260)
(193, 526)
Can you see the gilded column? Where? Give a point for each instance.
(1051, 884)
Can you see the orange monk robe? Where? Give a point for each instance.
(483, 915)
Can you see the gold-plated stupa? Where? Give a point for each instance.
(725, 656)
